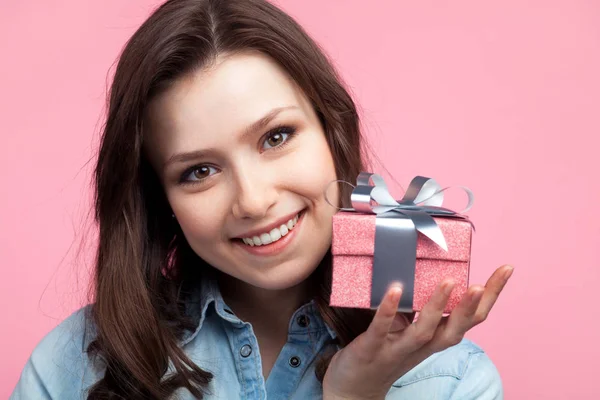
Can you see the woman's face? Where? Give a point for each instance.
(244, 163)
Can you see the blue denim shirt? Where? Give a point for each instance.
(59, 368)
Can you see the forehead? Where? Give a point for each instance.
(213, 104)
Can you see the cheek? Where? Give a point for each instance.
(312, 169)
(199, 217)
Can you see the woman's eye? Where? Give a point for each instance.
(198, 173)
(277, 137)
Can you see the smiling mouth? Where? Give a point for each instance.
(274, 235)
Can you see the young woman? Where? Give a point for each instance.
(226, 123)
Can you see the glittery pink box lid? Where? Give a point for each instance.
(354, 234)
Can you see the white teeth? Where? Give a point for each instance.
(274, 235)
(284, 230)
(265, 238)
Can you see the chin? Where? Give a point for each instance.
(282, 278)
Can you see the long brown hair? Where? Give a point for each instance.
(138, 310)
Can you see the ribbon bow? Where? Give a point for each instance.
(423, 198)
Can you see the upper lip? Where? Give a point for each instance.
(267, 228)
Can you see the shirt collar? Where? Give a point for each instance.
(207, 294)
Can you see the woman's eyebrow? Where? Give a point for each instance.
(264, 121)
(248, 131)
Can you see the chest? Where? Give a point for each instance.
(270, 347)
(239, 363)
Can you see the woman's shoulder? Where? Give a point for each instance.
(463, 371)
(58, 366)
(69, 338)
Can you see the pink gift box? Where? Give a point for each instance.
(353, 245)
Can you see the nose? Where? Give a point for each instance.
(256, 194)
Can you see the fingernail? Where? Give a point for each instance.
(447, 287)
(508, 273)
(396, 289)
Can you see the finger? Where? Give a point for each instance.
(461, 318)
(399, 323)
(493, 288)
(474, 307)
(384, 316)
(452, 329)
(424, 329)
(472, 310)
(433, 346)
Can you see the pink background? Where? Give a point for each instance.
(503, 98)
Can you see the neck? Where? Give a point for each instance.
(258, 305)
(268, 311)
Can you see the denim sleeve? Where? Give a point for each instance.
(58, 367)
(481, 380)
(30, 385)
(461, 372)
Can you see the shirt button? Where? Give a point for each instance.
(246, 350)
(303, 321)
(294, 362)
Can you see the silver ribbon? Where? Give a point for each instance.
(395, 235)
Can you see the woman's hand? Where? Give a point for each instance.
(368, 366)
